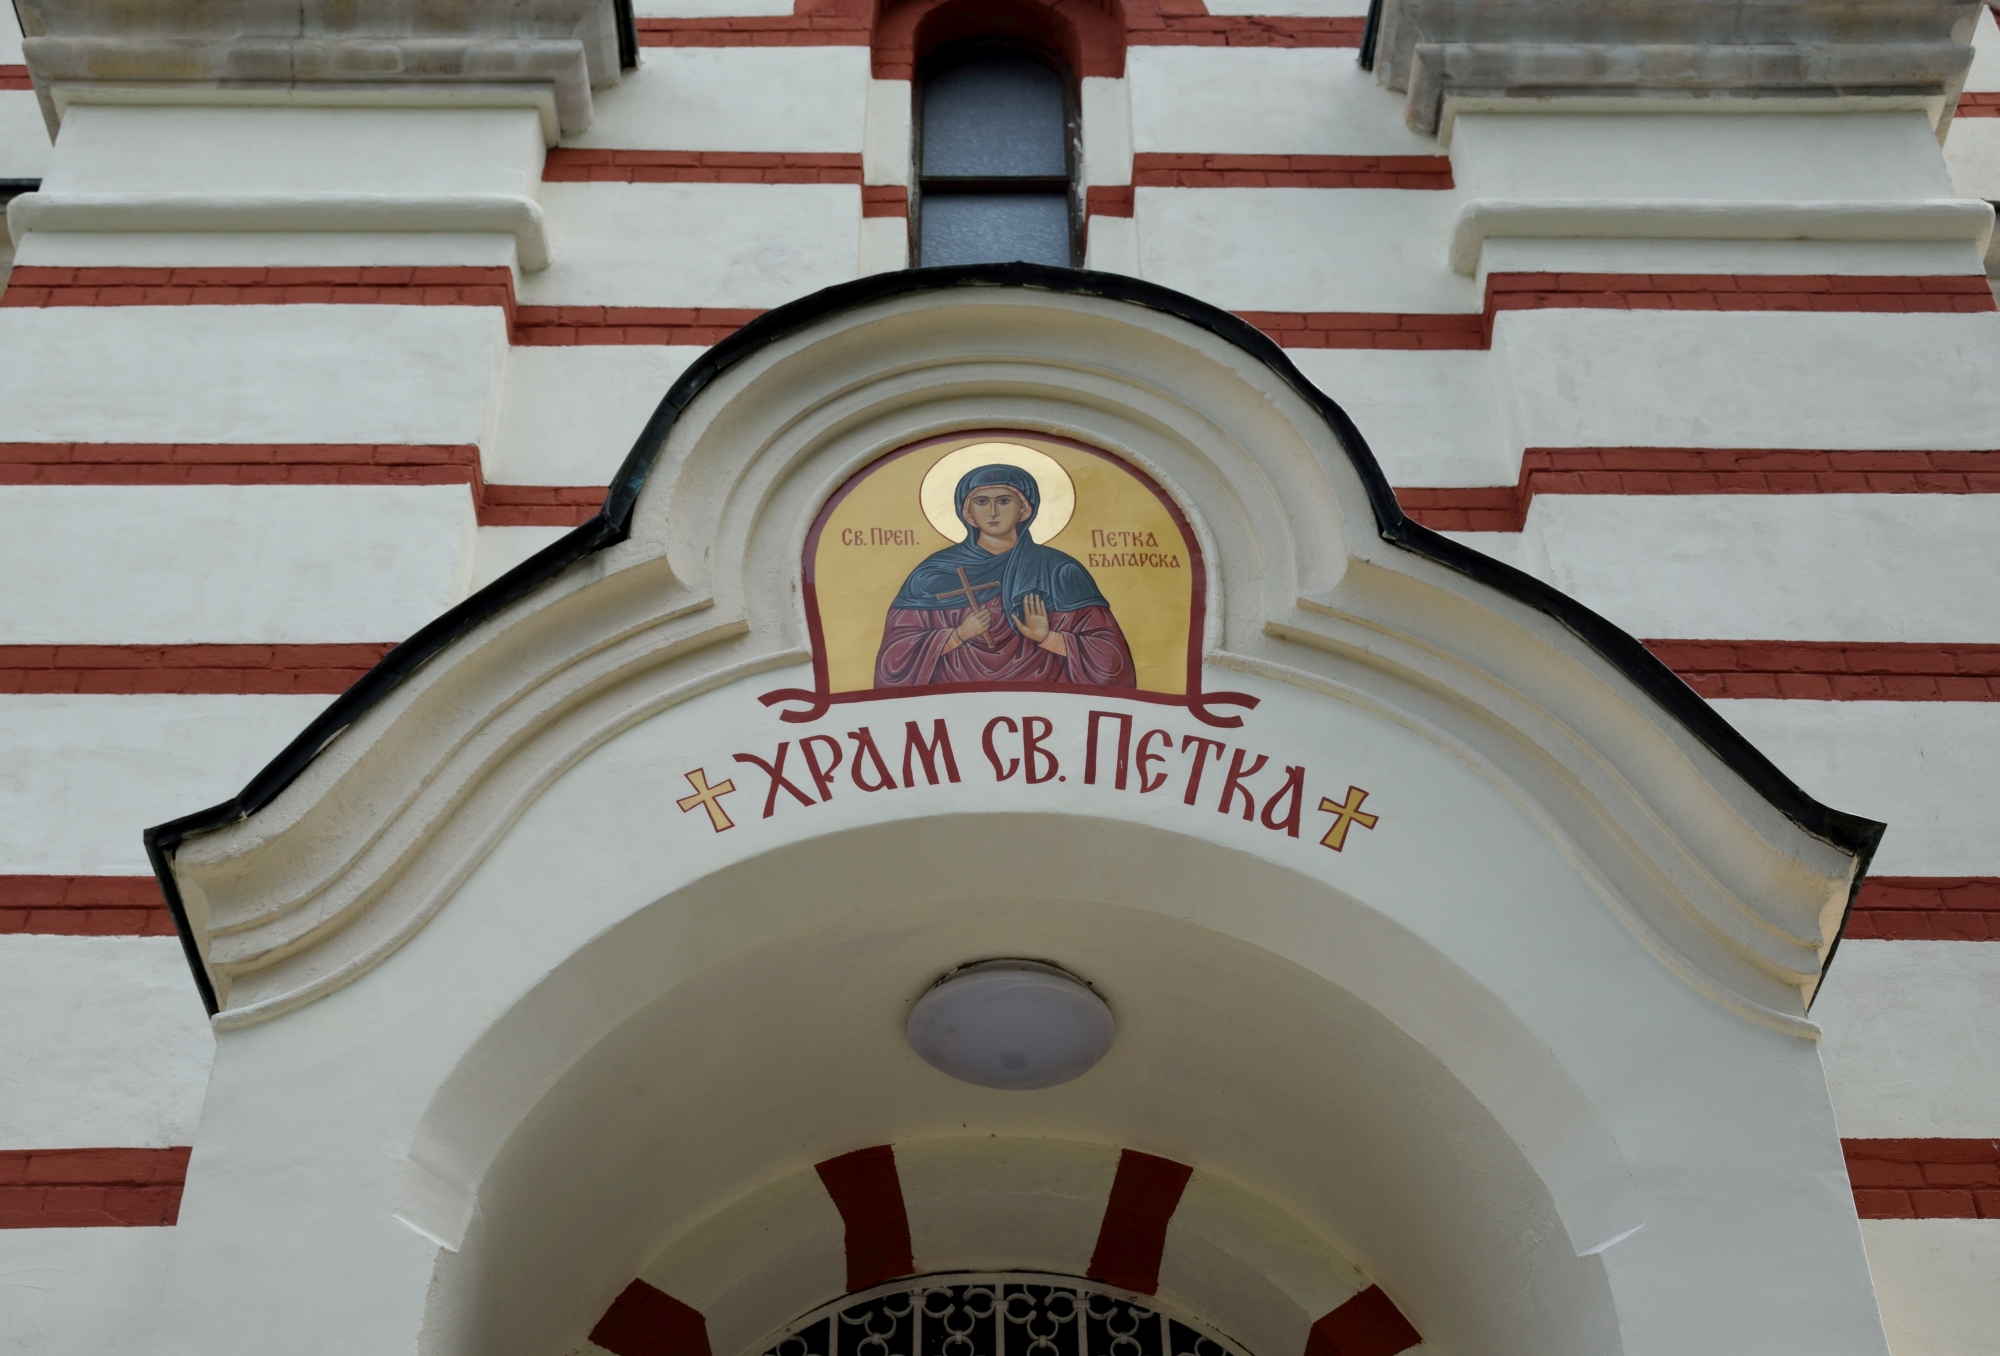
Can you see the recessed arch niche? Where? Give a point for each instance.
(683, 1128)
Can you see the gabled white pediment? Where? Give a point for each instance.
(576, 981)
(1726, 872)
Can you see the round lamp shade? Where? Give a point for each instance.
(1011, 1024)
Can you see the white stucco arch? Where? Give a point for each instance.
(819, 985)
(1586, 936)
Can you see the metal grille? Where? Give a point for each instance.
(1005, 1315)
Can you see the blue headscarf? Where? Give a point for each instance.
(1064, 585)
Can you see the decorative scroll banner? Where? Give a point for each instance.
(996, 561)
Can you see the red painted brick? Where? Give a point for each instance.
(1171, 170)
(1957, 1177)
(369, 286)
(87, 1188)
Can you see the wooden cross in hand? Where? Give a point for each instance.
(969, 591)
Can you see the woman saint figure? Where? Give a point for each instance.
(999, 607)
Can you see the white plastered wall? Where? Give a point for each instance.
(110, 1036)
(1767, 156)
(1264, 101)
(1229, 1252)
(1909, 1045)
(85, 776)
(990, 1204)
(251, 374)
(1430, 418)
(802, 99)
(24, 137)
(1924, 768)
(224, 150)
(776, 1253)
(1704, 379)
(569, 415)
(79, 1292)
(1863, 567)
(1939, 1283)
(1972, 146)
(1359, 249)
(252, 564)
(722, 245)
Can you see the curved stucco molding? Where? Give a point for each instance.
(498, 213)
(339, 852)
(1484, 219)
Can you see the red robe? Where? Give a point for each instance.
(913, 653)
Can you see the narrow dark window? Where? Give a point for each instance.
(996, 159)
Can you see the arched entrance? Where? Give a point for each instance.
(570, 959)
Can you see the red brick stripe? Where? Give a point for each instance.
(567, 325)
(1370, 329)
(886, 200)
(90, 1188)
(1152, 169)
(572, 165)
(1623, 292)
(1133, 1236)
(1978, 105)
(1927, 909)
(15, 77)
(238, 463)
(1924, 1178)
(125, 670)
(1736, 292)
(1698, 470)
(643, 1321)
(37, 285)
(869, 1196)
(84, 906)
(813, 23)
(1150, 25)
(539, 505)
(299, 464)
(1840, 671)
(1103, 200)
(695, 326)
(1369, 1324)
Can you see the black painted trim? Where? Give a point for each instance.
(1369, 32)
(628, 34)
(612, 524)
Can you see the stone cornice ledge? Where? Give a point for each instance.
(1485, 219)
(248, 47)
(1751, 50)
(506, 213)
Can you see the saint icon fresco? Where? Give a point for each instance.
(999, 606)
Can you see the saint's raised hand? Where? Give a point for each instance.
(1034, 619)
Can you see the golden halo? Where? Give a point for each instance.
(941, 482)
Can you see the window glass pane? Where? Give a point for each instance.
(998, 115)
(994, 228)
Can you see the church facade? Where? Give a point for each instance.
(1000, 678)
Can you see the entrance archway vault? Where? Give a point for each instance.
(503, 1025)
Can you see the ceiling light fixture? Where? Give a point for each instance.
(1012, 1024)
